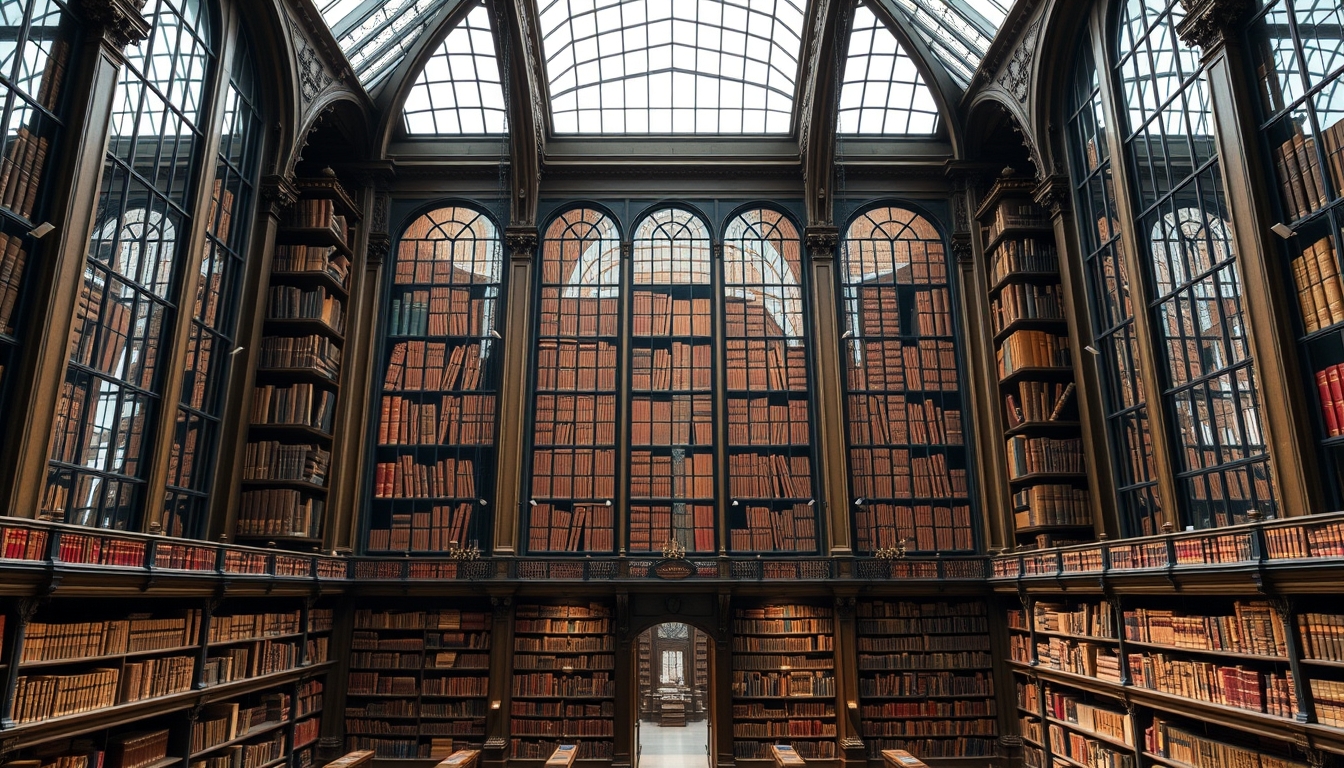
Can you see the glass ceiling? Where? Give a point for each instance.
(459, 91)
(882, 92)
(655, 66)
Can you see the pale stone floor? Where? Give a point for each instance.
(674, 747)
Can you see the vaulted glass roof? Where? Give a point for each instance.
(663, 66)
(882, 92)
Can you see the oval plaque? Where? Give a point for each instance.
(673, 569)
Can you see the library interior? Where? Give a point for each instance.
(671, 384)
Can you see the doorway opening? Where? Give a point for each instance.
(673, 697)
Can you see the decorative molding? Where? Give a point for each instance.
(1016, 77)
(278, 193)
(119, 22)
(962, 250)
(822, 241)
(845, 607)
(521, 241)
(1209, 23)
(317, 29)
(1054, 194)
(1011, 30)
(961, 215)
(314, 76)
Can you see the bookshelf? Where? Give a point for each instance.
(564, 687)
(434, 434)
(287, 459)
(926, 679)
(907, 439)
(1043, 446)
(784, 681)
(648, 702)
(1304, 143)
(700, 691)
(35, 120)
(418, 682)
(574, 456)
(771, 468)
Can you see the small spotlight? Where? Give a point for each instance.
(859, 502)
(1091, 350)
(495, 334)
(1282, 230)
(41, 230)
(235, 351)
(532, 502)
(847, 334)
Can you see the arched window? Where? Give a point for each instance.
(1108, 283)
(907, 454)
(672, 478)
(575, 452)
(111, 396)
(214, 320)
(1208, 379)
(770, 461)
(434, 451)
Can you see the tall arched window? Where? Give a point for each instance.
(770, 462)
(574, 436)
(907, 454)
(111, 396)
(214, 320)
(1208, 382)
(434, 451)
(1108, 283)
(672, 478)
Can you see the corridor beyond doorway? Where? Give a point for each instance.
(673, 696)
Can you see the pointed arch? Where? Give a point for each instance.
(459, 89)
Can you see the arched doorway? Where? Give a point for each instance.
(673, 694)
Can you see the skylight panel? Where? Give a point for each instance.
(671, 66)
(459, 90)
(883, 92)
(376, 34)
(957, 31)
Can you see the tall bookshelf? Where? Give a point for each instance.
(907, 437)
(784, 681)
(771, 469)
(926, 680)
(287, 460)
(1303, 142)
(574, 457)
(435, 425)
(1046, 470)
(700, 690)
(564, 686)
(32, 87)
(418, 682)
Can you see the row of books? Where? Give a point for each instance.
(1033, 349)
(685, 366)
(440, 619)
(242, 662)
(1037, 401)
(769, 476)
(1330, 388)
(658, 314)
(1085, 751)
(12, 259)
(979, 726)
(273, 460)
(554, 626)
(406, 478)
(690, 525)
(562, 315)
(429, 366)
(680, 420)
(896, 420)
(1051, 504)
(758, 421)
(431, 531)
(574, 420)
(316, 352)
(1072, 656)
(279, 512)
(1182, 745)
(1025, 301)
(1254, 628)
(1251, 689)
(440, 311)
(1044, 455)
(765, 364)
(926, 365)
(454, 420)
(21, 170)
(657, 476)
(584, 528)
(919, 685)
(577, 365)
(44, 641)
(1320, 293)
(793, 529)
(880, 311)
(1012, 216)
(424, 262)
(1301, 174)
(1322, 635)
(1086, 716)
(1032, 255)
(574, 474)
(321, 259)
(921, 527)
(899, 473)
(1090, 619)
(284, 302)
(317, 213)
(303, 404)
(253, 626)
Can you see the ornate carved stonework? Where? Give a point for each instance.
(821, 241)
(1054, 195)
(278, 193)
(313, 75)
(1208, 23)
(120, 21)
(1016, 77)
(962, 250)
(521, 241)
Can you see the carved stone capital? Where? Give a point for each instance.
(1209, 23)
(1054, 194)
(521, 241)
(822, 241)
(278, 193)
(119, 22)
(379, 246)
(845, 607)
(962, 250)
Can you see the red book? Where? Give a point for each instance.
(1327, 403)
(1336, 392)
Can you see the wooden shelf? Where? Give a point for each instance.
(319, 236)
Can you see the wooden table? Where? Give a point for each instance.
(899, 758)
